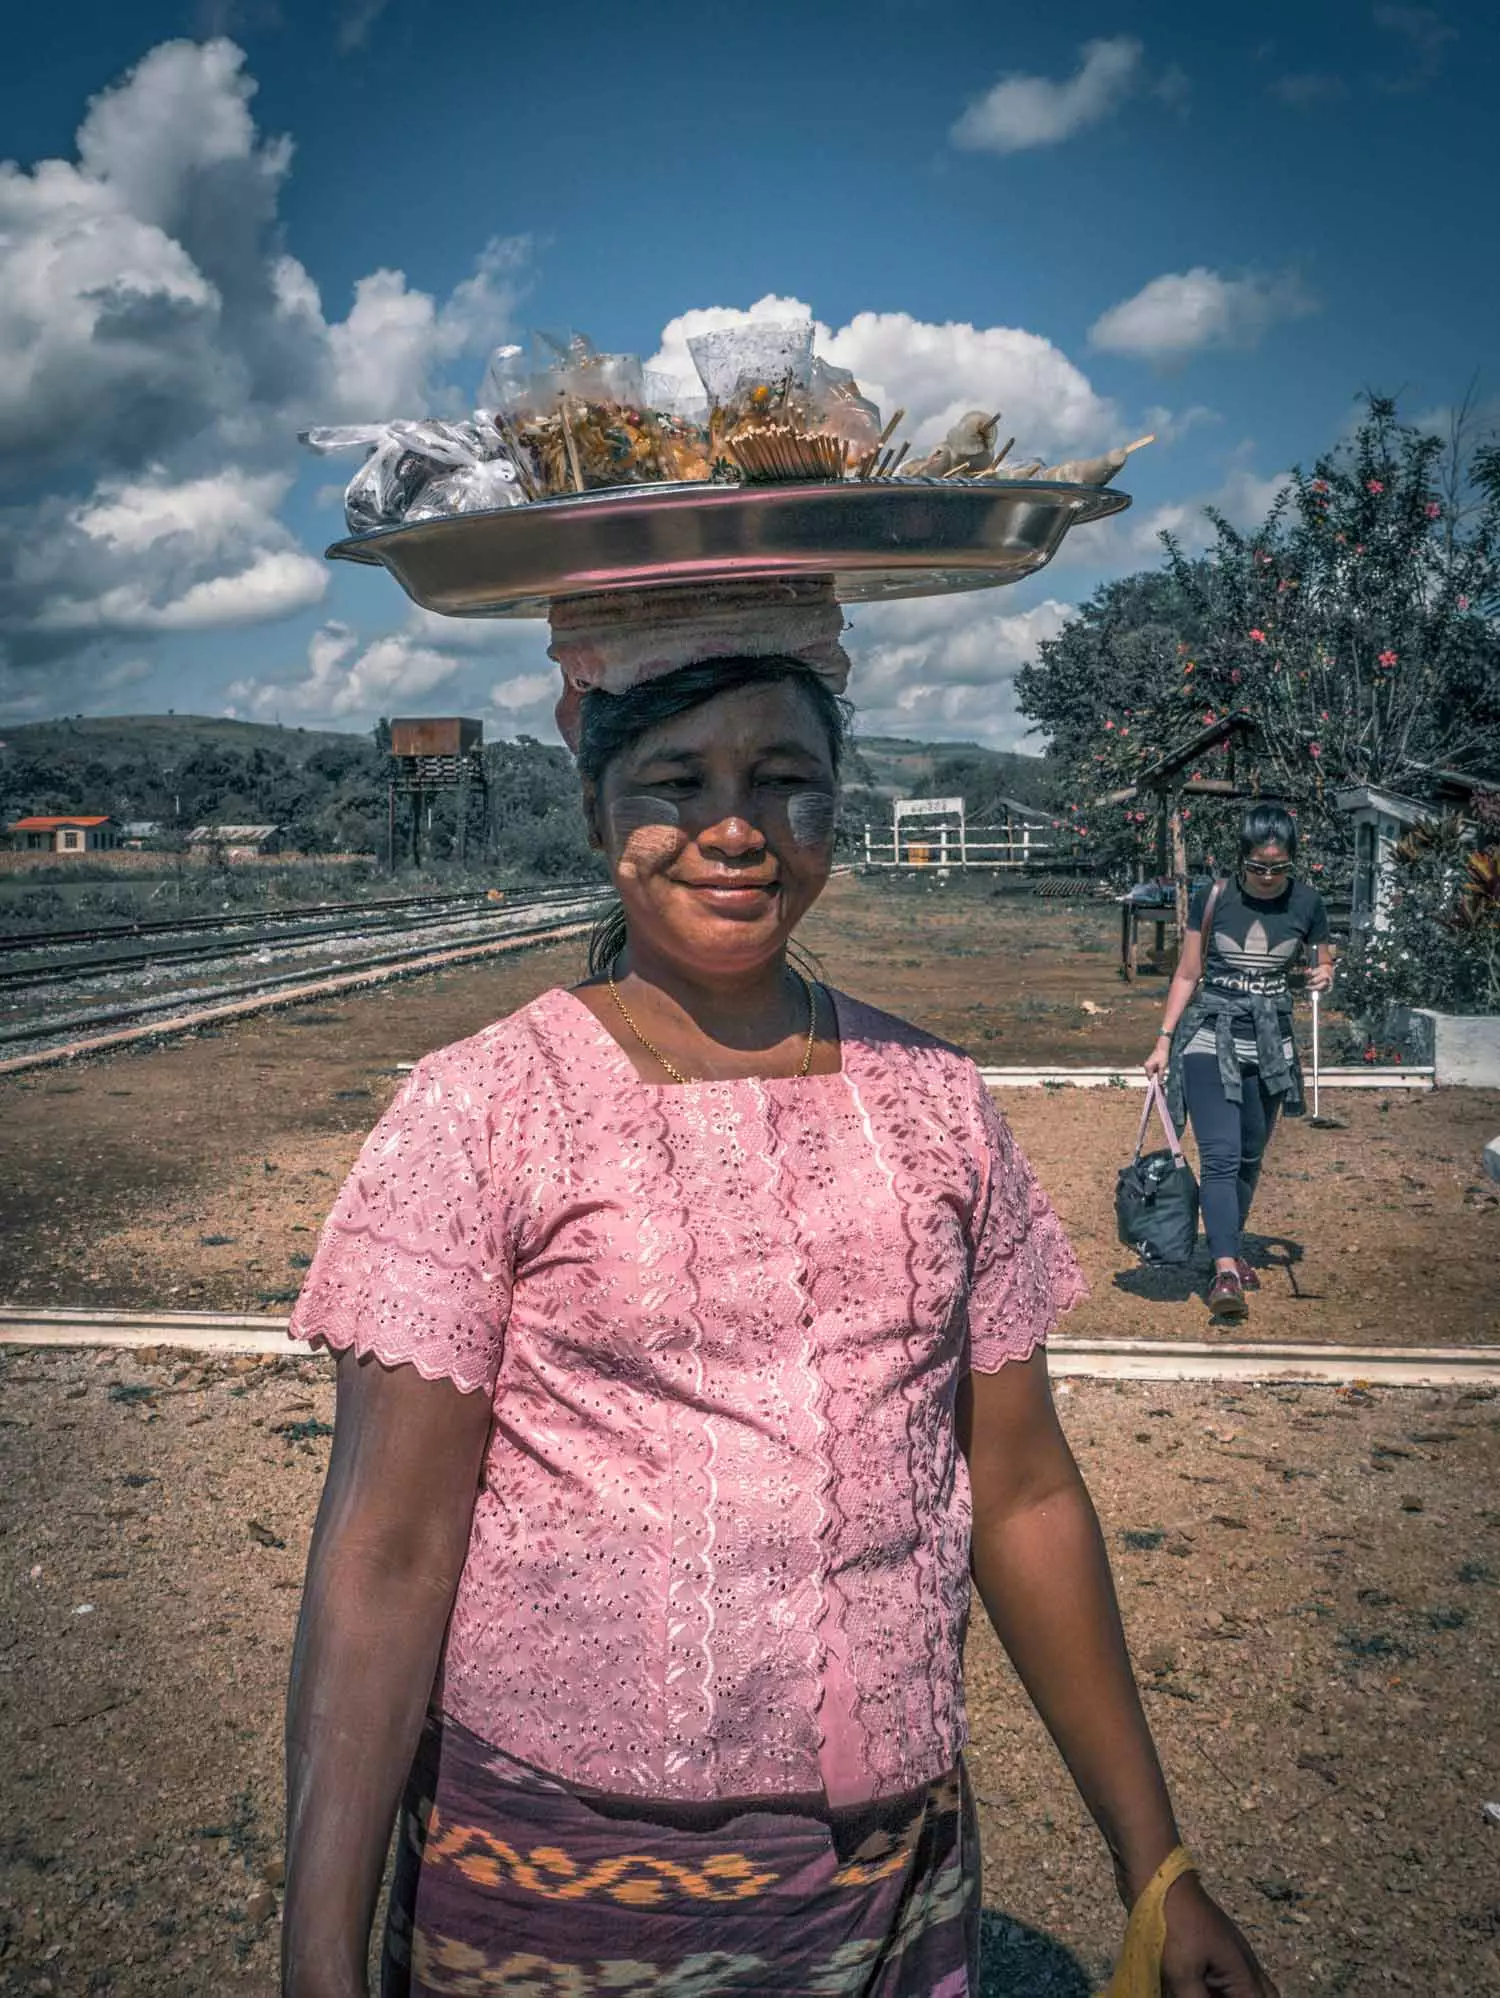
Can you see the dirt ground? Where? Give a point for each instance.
(196, 1174)
(1309, 1578)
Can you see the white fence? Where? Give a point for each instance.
(958, 845)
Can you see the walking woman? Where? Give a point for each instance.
(689, 1328)
(1226, 1037)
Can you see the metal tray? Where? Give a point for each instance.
(910, 538)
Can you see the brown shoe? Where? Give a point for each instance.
(1226, 1297)
(1248, 1279)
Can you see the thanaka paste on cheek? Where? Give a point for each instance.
(628, 815)
(810, 814)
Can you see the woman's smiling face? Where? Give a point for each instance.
(718, 826)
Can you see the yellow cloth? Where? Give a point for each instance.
(1138, 1972)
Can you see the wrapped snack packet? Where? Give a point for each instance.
(416, 471)
(582, 420)
(777, 411)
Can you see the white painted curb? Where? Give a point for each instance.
(1089, 1359)
(1131, 1078)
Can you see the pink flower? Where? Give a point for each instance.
(1320, 485)
(1257, 636)
(1236, 676)
(1374, 486)
(1432, 509)
(1387, 658)
(1463, 603)
(1315, 749)
(1359, 548)
(1109, 724)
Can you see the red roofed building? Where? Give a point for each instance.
(65, 832)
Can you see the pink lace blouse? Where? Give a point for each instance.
(721, 1546)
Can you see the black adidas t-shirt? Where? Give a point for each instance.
(1255, 942)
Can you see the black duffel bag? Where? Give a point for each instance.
(1156, 1195)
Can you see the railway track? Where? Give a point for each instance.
(50, 1039)
(229, 937)
(21, 940)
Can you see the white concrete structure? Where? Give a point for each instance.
(1381, 820)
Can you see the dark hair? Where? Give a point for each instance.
(609, 724)
(1264, 824)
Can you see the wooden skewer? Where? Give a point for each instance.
(1003, 453)
(1149, 438)
(572, 448)
(895, 466)
(885, 435)
(517, 456)
(867, 462)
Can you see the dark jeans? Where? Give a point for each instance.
(1232, 1138)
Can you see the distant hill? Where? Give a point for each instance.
(895, 768)
(328, 787)
(116, 742)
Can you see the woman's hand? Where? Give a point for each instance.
(1205, 1955)
(1320, 978)
(1155, 1063)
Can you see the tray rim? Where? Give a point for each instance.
(869, 570)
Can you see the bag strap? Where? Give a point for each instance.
(1156, 1099)
(1210, 910)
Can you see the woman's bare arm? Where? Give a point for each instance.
(1184, 984)
(1042, 1572)
(387, 1551)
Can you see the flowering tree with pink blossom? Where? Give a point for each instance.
(1358, 623)
(1359, 626)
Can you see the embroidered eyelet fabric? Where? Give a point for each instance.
(721, 1545)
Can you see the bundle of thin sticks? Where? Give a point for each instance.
(779, 451)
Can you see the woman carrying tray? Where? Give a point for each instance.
(1226, 1043)
(690, 1322)
(684, 1321)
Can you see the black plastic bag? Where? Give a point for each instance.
(1156, 1195)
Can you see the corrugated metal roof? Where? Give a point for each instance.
(232, 833)
(50, 824)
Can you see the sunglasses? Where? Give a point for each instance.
(1264, 873)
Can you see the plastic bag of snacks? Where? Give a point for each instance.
(776, 410)
(580, 420)
(417, 471)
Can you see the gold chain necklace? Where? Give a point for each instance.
(676, 1073)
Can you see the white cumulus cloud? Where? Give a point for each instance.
(935, 370)
(1182, 312)
(936, 667)
(1020, 112)
(346, 677)
(159, 350)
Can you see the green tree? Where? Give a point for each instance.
(1356, 624)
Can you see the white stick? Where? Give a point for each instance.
(1316, 1062)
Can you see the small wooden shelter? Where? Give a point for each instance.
(1167, 782)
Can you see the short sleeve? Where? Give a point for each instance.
(1197, 904)
(414, 1264)
(1022, 1272)
(1317, 921)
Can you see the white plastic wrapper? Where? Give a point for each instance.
(418, 471)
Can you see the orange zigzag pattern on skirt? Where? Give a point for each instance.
(634, 1879)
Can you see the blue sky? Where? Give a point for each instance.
(225, 221)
